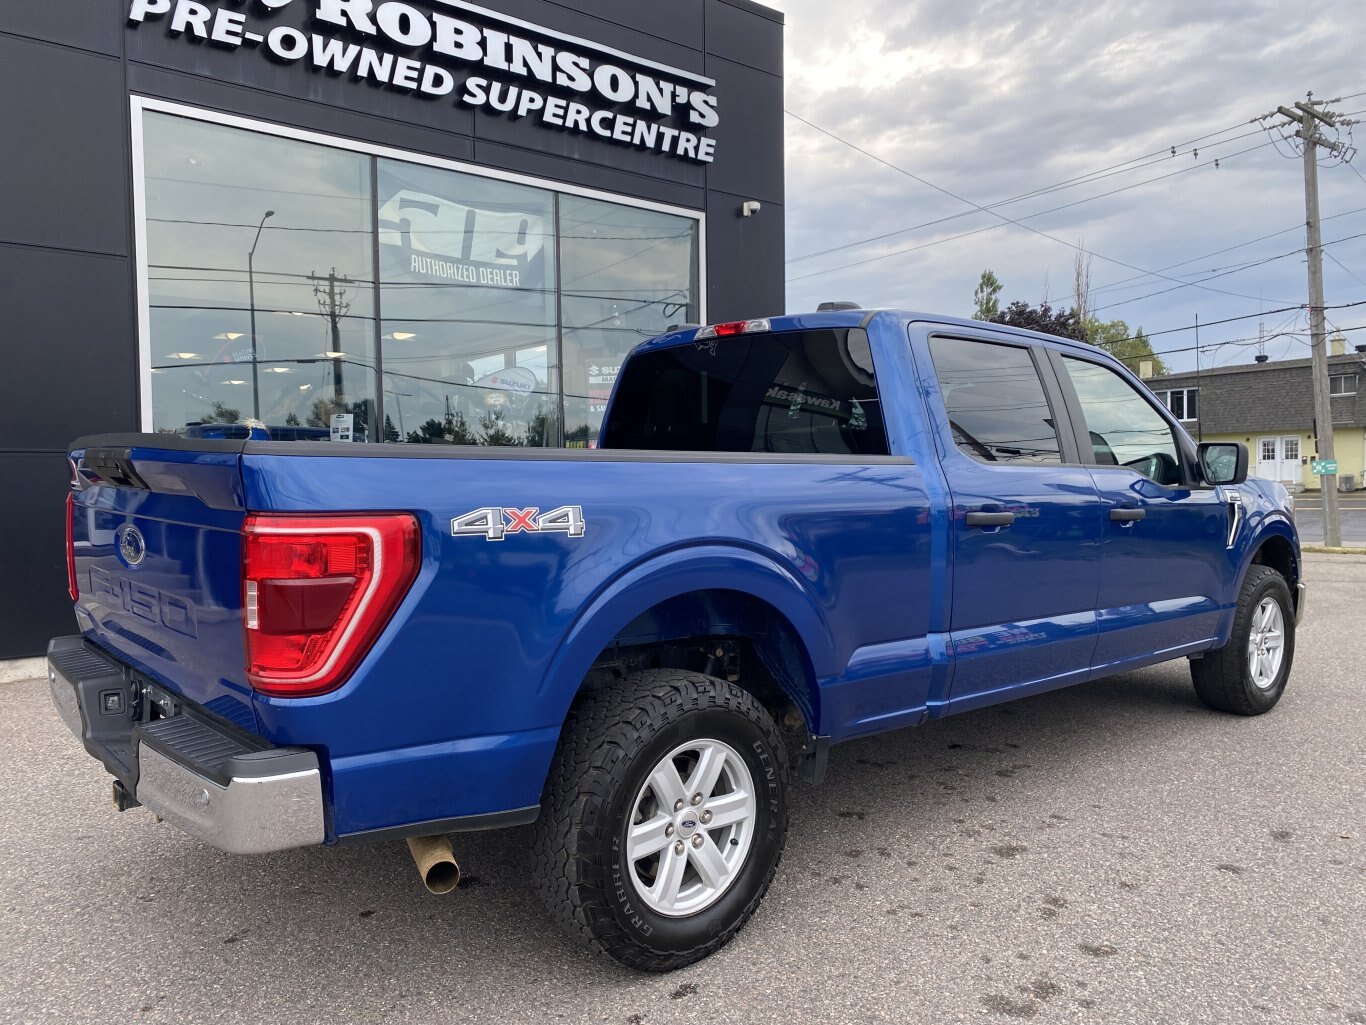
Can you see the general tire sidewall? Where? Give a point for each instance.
(1274, 586)
(766, 766)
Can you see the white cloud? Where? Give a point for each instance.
(993, 98)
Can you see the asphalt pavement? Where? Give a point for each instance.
(1351, 518)
(1112, 853)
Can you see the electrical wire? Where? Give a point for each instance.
(1009, 220)
(1106, 172)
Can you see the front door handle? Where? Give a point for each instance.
(990, 519)
(1127, 515)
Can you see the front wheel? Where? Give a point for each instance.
(1248, 675)
(663, 819)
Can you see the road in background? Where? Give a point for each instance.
(1112, 853)
(1351, 517)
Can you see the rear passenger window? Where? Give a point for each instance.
(796, 392)
(997, 408)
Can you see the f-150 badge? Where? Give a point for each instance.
(494, 523)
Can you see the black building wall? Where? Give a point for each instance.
(67, 268)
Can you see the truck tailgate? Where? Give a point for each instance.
(158, 554)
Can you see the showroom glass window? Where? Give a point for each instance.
(393, 300)
(626, 275)
(308, 285)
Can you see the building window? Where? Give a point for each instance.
(1342, 384)
(1183, 402)
(324, 293)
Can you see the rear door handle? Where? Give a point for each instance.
(1127, 515)
(990, 519)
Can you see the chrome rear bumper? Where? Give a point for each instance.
(201, 774)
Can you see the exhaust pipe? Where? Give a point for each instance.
(435, 862)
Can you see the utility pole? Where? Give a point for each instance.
(332, 302)
(251, 291)
(1312, 118)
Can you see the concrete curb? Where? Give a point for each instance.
(16, 670)
(1324, 550)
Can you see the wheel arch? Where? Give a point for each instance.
(704, 592)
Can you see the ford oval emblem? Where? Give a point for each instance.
(687, 824)
(132, 545)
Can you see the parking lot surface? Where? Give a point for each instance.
(1113, 853)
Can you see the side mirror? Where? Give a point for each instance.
(1223, 462)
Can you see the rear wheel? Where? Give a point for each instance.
(663, 819)
(1248, 675)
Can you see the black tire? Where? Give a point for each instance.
(613, 739)
(1223, 679)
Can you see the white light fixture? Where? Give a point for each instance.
(401, 336)
(234, 382)
(305, 387)
(332, 355)
(182, 355)
(278, 370)
(228, 336)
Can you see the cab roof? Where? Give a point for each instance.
(835, 319)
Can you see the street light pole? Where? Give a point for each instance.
(251, 291)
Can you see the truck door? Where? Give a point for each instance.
(1166, 558)
(1025, 526)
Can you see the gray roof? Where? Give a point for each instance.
(1268, 396)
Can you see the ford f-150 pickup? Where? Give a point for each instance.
(793, 533)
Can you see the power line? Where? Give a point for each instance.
(993, 213)
(1217, 252)
(1228, 320)
(1066, 184)
(1236, 270)
(1340, 264)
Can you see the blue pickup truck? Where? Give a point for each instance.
(794, 532)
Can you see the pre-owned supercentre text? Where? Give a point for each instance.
(437, 36)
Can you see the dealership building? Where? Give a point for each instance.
(417, 222)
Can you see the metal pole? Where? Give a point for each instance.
(251, 292)
(255, 376)
(1323, 403)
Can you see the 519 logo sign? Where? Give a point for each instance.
(494, 523)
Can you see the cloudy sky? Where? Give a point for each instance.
(995, 99)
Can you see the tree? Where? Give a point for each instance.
(1131, 349)
(1081, 285)
(985, 299)
(494, 425)
(390, 431)
(223, 414)
(1062, 323)
(292, 420)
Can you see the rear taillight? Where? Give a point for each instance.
(317, 591)
(71, 586)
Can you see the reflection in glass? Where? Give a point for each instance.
(1125, 429)
(626, 275)
(289, 298)
(799, 392)
(997, 409)
(467, 281)
(216, 263)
